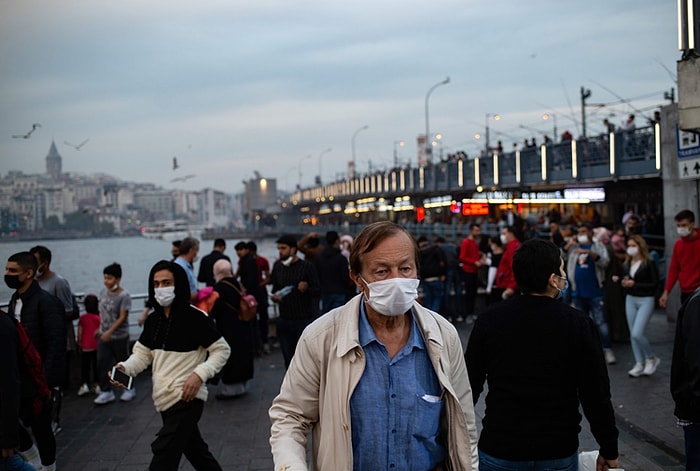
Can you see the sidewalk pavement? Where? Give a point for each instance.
(117, 436)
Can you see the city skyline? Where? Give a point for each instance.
(230, 88)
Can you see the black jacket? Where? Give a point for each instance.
(206, 267)
(542, 359)
(43, 316)
(685, 365)
(432, 262)
(646, 280)
(333, 272)
(9, 385)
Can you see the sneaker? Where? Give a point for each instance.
(609, 356)
(104, 397)
(650, 366)
(636, 372)
(96, 389)
(128, 395)
(56, 428)
(84, 389)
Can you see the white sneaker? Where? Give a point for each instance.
(128, 394)
(636, 372)
(104, 397)
(650, 366)
(609, 356)
(84, 389)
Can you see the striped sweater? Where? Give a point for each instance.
(177, 346)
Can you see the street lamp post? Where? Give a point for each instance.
(428, 142)
(396, 155)
(300, 161)
(496, 117)
(546, 116)
(354, 160)
(320, 174)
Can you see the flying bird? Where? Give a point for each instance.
(182, 179)
(175, 165)
(78, 146)
(29, 134)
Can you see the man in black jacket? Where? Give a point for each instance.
(9, 395)
(433, 270)
(685, 377)
(42, 315)
(333, 273)
(542, 360)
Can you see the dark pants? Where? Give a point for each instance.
(288, 333)
(180, 435)
(469, 280)
(263, 322)
(88, 364)
(15, 463)
(45, 440)
(692, 447)
(109, 354)
(331, 301)
(490, 463)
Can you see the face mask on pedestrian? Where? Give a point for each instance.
(632, 251)
(503, 239)
(164, 296)
(287, 261)
(582, 239)
(13, 282)
(683, 231)
(392, 297)
(562, 291)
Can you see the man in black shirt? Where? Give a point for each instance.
(206, 266)
(542, 360)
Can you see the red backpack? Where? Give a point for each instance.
(35, 393)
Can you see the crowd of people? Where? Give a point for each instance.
(366, 327)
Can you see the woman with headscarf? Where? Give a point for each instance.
(239, 334)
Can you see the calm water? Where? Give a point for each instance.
(81, 261)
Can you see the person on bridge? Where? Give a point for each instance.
(380, 383)
(684, 266)
(533, 406)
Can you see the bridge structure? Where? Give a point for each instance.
(578, 171)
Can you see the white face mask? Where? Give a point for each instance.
(632, 251)
(683, 231)
(392, 297)
(115, 287)
(504, 241)
(287, 261)
(165, 296)
(582, 239)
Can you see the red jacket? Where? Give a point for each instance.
(469, 255)
(504, 276)
(684, 266)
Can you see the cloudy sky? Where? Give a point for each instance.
(231, 87)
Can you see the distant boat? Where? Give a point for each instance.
(171, 230)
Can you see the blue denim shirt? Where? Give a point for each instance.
(395, 408)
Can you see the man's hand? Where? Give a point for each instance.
(663, 300)
(603, 465)
(508, 293)
(8, 452)
(302, 286)
(106, 337)
(191, 387)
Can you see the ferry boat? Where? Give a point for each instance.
(170, 231)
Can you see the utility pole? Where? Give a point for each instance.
(585, 93)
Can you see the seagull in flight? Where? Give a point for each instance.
(76, 147)
(29, 134)
(175, 165)
(183, 179)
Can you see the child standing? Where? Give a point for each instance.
(88, 330)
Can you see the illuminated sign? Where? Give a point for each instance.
(592, 194)
(475, 209)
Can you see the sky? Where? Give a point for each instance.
(233, 87)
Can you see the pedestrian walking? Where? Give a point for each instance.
(684, 266)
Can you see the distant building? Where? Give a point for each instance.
(54, 162)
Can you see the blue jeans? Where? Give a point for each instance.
(594, 308)
(692, 447)
(639, 310)
(288, 333)
(432, 294)
(331, 301)
(489, 463)
(15, 463)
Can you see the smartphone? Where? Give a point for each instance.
(122, 378)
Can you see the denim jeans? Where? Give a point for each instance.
(15, 463)
(692, 447)
(639, 310)
(288, 333)
(594, 308)
(490, 463)
(432, 294)
(331, 301)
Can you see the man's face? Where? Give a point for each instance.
(41, 265)
(476, 232)
(631, 225)
(685, 223)
(110, 281)
(175, 251)
(163, 279)
(391, 258)
(284, 251)
(13, 269)
(242, 252)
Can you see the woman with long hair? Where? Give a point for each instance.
(641, 281)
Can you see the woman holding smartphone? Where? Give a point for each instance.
(640, 282)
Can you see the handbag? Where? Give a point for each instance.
(248, 306)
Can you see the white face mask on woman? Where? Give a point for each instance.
(392, 297)
(164, 296)
(632, 251)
